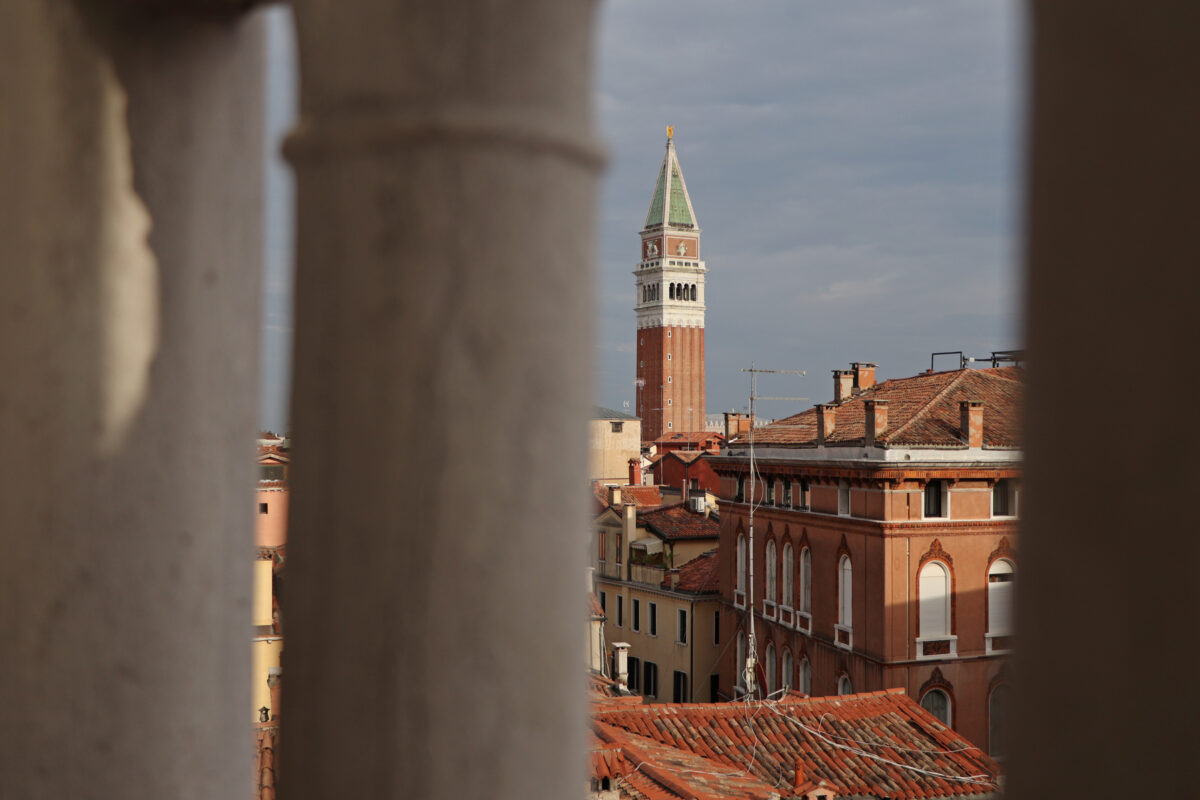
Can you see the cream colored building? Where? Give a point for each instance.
(613, 439)
(656, 579)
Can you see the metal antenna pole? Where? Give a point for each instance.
(752, 655)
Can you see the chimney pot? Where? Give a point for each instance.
(971, 422)
(621, 663)
(876, 420)
(843, 384)
(635, 472)
(864, 375)
(825, 422)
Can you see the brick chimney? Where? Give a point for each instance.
(970, 415)
(843, 384)
(621, 664)
(825, 422)
(635, 472)
(864, 375)
(736, 423)
(799, 777)
(876, 412)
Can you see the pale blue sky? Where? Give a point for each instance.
(854, 166)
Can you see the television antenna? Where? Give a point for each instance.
(752, 655)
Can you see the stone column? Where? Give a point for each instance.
(129, 208)
(1106, 583)
(446, 186)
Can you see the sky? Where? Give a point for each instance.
(854, 167)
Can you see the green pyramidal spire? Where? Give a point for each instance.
(671, 205)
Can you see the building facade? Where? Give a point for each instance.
(882, 552)
(656, 580)
(613, 439)
(670, 304)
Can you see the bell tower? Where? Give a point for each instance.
(669, 299)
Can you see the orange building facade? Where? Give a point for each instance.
(882, 553)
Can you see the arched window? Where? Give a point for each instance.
(998, 705)
(741, 563)
(786, 673)
(772, 683)
(740, 678)
(806, 580)
(772, 568)
(844, 685)
(671, 292)
(933, 589)
(845, 592)
(999, 597)
(805, 676)
(789, 575)
(693, 291)
(937, 702)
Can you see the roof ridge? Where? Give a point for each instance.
(889, 435)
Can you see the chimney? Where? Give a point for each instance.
(614, 495)
(628, 529)
(736, 423)
(970, 415)
(621, 664)
(876, 420)
(825, 421)
(635, 472)
(673, 575)
(864, 375)
(273, 681)
(799, 779)
(843, 383)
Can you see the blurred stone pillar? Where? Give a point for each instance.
(130, 156)
(446, 181)
(1107, 694)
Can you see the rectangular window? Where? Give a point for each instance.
(262, 508)
(650, 679)
(679, 693)
(714, 688)
(635, 674)
(636, 614)
(787, 493)
(620, 611)
(770, 491)
(1002, 498)
(604, 602)
(654, 619)
(844, 498)
(681, 627)
(694, 484)
(802, 500)
(271, 472)
(617, 426)
(934, 506)
(620, 546)
(716, 629)
(603, 540)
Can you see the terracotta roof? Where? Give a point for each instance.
(640, 496)
(687, 456)
(677, 522)
(594, 606)
(690, 436)
(275, 451)
(874, 744)
(699, 575)
(923, 411)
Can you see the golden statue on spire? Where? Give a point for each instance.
(670, 131)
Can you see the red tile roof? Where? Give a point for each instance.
(594, 607)
(677, 522)
(640, 496)
(691, 436)
(923, 411)
(687, 456)
(875, 744)
(699, 575)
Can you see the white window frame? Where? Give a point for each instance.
(843, 490)
(771, 669)
(787, 671)
(997, 568)
(771, 584)
(845, 686)
(927, 634)
(805, 683)
(739, 587)
(845, 584)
